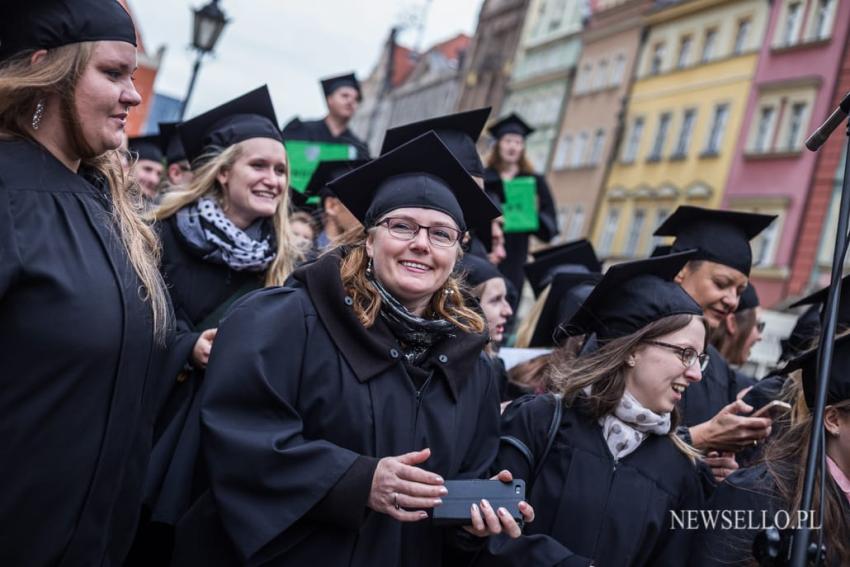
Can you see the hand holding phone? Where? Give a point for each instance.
(773, 409)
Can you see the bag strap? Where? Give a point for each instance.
(536, 465)
(212, 320)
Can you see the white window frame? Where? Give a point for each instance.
(709, 46)
(683, 58)
(609, 231)
(741, 38)
(576, 225)
(660, 139)
(635, 233)
(597, 147)
(686, 132)
(765, 129)
(630, 150)
(656, 59)
(717, 128)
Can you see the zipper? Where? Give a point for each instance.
(614, 463)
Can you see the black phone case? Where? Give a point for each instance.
(455, 509)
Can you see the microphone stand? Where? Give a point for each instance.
(800, 549)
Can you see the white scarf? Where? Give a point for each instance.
(630, 425)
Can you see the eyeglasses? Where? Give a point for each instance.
(689, 355)
(760, 326)
(403, 229)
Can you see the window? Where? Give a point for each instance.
(684, 52)
(742, 35)
(609, 230)
(708, 45)
(576, 224)
(657, 59)
(764, 245)
(560, 161)
(685, 132)
(583, 83)
(660, 136)
(618, 70)
(598, 146)
(822, 21)
(791, 29)
(718, 125)
(579, 149)
(660, 216)
(600, 80)
(795, 125)
(764, 131)
(630, 151)
(634, 232)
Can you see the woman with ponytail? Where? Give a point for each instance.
(83, 311)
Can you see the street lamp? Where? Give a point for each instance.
(208, 24)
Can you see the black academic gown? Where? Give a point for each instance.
(753, 495)
(77, 355)
(300, 402)
(198, 288)
(587, 506)
(719, 386)
(516, 244)
(317, 131)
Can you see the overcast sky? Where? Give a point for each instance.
(288, 44)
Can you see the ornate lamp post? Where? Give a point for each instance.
(208, 24)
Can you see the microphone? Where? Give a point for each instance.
(817, 139)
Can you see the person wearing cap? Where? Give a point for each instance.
(178, 171)
(342, 96)
(739, 332)
(335, 407)
(226, 234)
(338, 224)
(146, 167)
(507, 161)
(460, 133)
(84, 314)
(714, 419)
(770, 491)
(605, 475)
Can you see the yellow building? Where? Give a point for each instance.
(682, 121)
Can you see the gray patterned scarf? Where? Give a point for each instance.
(415, 334)
(630, 425)
(204, 225)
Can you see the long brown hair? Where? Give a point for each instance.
(205, 183)
(494, 161)
(447, 303)
(22, 86)
(785, 459)
(604, 371)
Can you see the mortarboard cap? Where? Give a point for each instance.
(576, 256)
(749, 299)
(329, 170)
(174, 151)
(330, 84)
(633, 294)
(510, 124)
(819, 298)
(839, 372)
(806, 330)
(421, 173)
(147, 147)
(459, 132)
(477, 270)
(567, 293)
(46, 24)
(661, 250)
(243, 118)
(718, 236)
(300, 201)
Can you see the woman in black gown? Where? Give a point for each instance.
(607, 477)
(334, 408)
(83, 312)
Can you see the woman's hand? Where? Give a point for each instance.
(202, 348)
(486, 521)
(730, 430)
(401, 490)
(722, 464)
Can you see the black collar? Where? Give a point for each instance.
(373, 351)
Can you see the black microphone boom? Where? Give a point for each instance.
(817, 139)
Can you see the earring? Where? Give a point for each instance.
(37, 115)
(631, 362)
(369, 267)
(448, 291)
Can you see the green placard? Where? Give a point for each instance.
(520, 207)
(304, 158)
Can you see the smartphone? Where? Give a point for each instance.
(772, 409)
(462, 494)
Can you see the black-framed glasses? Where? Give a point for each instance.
(760, 326)
(404, 229)
(689, 355)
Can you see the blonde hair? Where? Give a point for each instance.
(447, 303)
(604, 372)
(22, 86)
(205, 184)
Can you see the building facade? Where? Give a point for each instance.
(792, 91)
(544, 65)
(144, 80)
(489, 59)
(684, 115)
(592, 121)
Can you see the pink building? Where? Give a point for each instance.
(792, 92)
